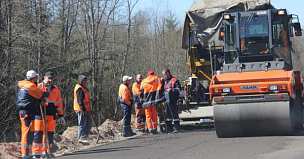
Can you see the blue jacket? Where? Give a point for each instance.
(29, 97)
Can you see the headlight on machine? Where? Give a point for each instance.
(281, 12)
(273, 87)
(227, 90)
(222, 90)
(227, 16)
(277, 87)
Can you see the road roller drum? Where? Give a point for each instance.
(254, 119)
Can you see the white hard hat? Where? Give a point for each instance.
(31, 74)
(126, 78)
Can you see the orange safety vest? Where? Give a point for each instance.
(54, 100)
(136, 92)
(86, 99)
(125, 96)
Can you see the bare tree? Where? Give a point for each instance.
(72, 37)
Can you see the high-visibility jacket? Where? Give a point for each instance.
(151, 91)
(86, 100)
(29, 96)
(136, 92)
(54, 101)
(175, 87)
(124, 94)
(28, 101)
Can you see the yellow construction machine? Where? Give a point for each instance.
(242, 48)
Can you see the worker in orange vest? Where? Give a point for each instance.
(140, 117)
(28, 101)
(82, 109)
(53, 106)
(151, 93)
(126, 101)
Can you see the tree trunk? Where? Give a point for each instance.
(9, 39)
(39, 35)
(63, 31)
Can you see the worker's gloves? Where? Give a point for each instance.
(45, 95)
(61, 121)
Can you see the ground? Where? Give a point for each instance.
(110, 131)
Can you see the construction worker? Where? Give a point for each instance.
(28, 101)
(82, 109)
(151, 93)
(140, 117)
(172, 89)
(126, 101)
(53, 106)
(200, 92)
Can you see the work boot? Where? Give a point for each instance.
(132, 133)
(49, 155)
(36, 156)
(169, 126)
(176, 127)
(175, 131)
(84, 141)
(153, 133)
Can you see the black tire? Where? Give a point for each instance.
(298, 112)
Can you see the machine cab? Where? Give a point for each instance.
(258, 36)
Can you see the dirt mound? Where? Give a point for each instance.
(109, 131)
(10, 150)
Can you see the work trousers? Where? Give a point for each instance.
(27, 133)
(39, 144)
(126, 127)
(171, 114)
(200, 95)
(84, 125)
(151, 118)
(140, 120)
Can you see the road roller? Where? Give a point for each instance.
(257, 92)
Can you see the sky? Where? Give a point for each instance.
(179, 7)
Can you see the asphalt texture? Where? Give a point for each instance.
(198, 142)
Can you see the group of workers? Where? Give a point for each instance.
(41, 104)
(147, 94)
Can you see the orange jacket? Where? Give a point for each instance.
(32, 88)
(29, 96)
(125, 96)
(151, 91)
(86, 99)
(136, 91)
(54, 101)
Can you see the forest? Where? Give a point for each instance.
(101, 39)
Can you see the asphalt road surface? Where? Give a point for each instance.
(198, 142)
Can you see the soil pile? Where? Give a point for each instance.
(109, 131)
